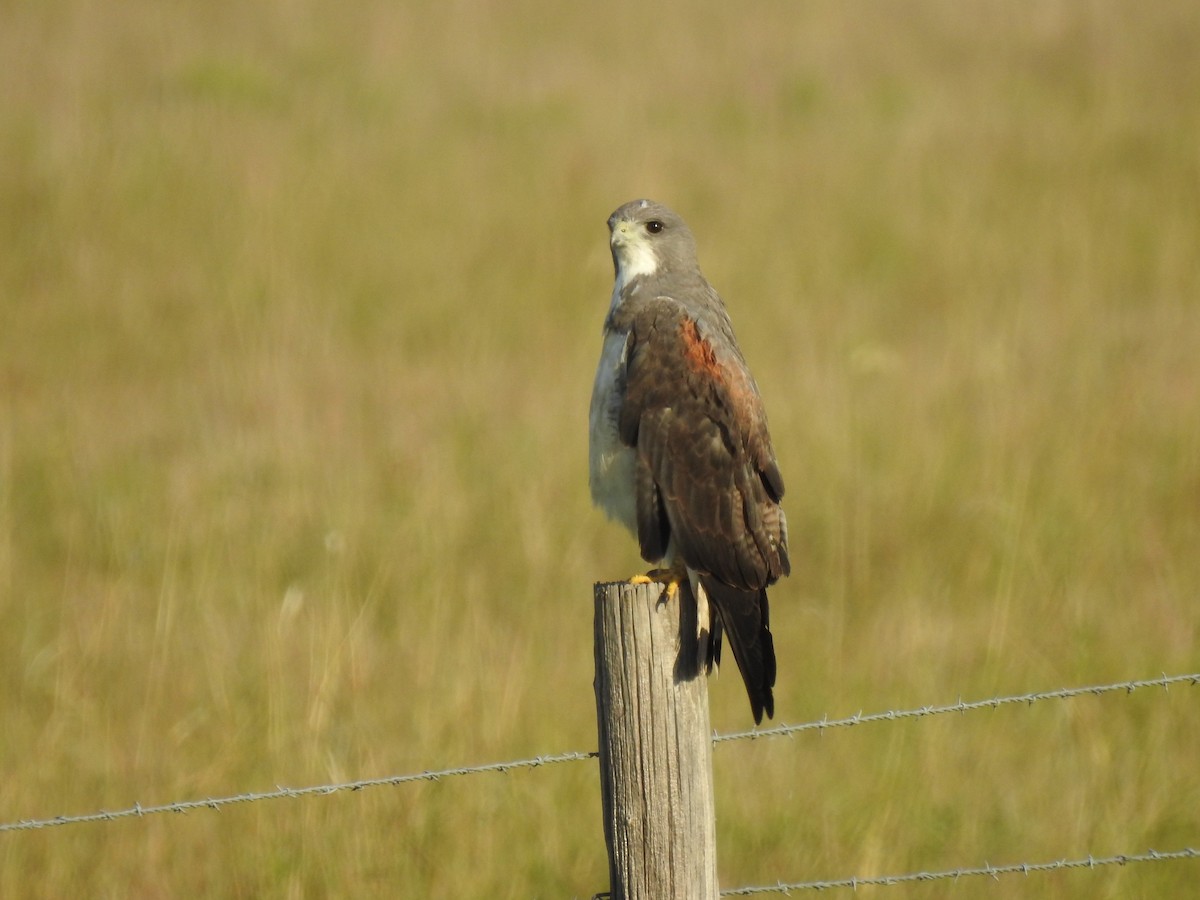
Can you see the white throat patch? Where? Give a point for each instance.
(635, 258)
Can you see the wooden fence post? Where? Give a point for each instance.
(655, 745)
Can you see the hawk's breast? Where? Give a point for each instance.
(611, 463)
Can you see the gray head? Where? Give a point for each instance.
(647, 238)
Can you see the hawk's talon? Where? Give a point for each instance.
(661, 576)
(668, 578)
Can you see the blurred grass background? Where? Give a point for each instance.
(300, 309)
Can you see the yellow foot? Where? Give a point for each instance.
(670, 578)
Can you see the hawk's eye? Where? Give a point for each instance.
(654, 226)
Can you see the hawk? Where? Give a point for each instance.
(679, 450)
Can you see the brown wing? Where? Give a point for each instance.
(707, 475)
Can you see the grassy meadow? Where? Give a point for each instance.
(300, 304)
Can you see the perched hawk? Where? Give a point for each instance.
(680, 452)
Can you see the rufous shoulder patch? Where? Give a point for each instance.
(698, 352)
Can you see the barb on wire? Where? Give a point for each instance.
(781, 730)
(960, 707)
(291, 793)
(1091, 862)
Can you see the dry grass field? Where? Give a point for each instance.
(300, 304)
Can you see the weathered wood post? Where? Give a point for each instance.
(655, 745)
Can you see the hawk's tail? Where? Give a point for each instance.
(744, 616)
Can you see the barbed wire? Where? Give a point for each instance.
(994, 872)
(783, 730)
(280, 793)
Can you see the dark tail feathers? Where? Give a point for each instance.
(745, 617)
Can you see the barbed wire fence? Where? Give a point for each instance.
(783, 730)
(993, 872)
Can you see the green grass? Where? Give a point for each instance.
(299, 308)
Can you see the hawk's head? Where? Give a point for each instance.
(648, 237)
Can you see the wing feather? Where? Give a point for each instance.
(653, 527)
(695, 417)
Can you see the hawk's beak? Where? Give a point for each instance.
(620, 231)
